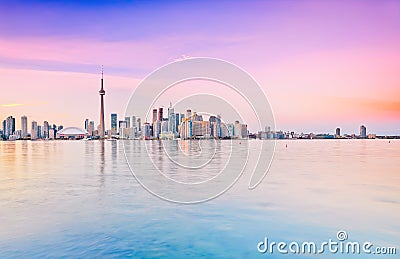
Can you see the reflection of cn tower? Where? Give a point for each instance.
(102, 93)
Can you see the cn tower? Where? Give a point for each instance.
(102, 93)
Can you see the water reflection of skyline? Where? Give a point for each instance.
(71, 190)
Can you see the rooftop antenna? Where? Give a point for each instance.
(102, 71)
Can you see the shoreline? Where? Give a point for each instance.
(251, 139)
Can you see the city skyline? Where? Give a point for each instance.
(175, 125)
(317, 76)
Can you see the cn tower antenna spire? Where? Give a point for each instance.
(102, 93)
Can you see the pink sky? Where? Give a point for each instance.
(322, 64)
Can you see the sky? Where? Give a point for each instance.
(322, 64)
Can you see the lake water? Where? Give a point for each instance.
(78, 199)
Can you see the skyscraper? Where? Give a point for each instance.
(173, 122)
(91, 128)
(39, 131)
(139, 124)
(102, 93)
(164, 127)
(24, 127)
(123, 129)
(244, 134)
(237, 131)
(34, 130)
(114, 121)
(146, 130)
(363, 131)
(200, 128)
(338, 132)
(52, 133)
(186, 129)
(134, 124)
(170, 109)
(156, 129)
(87, 124)
(160, 114)
(10, 127)
(128, 121)
(215, 124)
(122, 124)
(224, 130)
(154, 115)
(231, 129)
(45, 130)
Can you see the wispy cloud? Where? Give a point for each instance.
(182, 57)
(10, 105)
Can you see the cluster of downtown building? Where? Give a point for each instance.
(175, 126)
(45, 131)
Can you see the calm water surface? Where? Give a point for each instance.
(78, 199)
